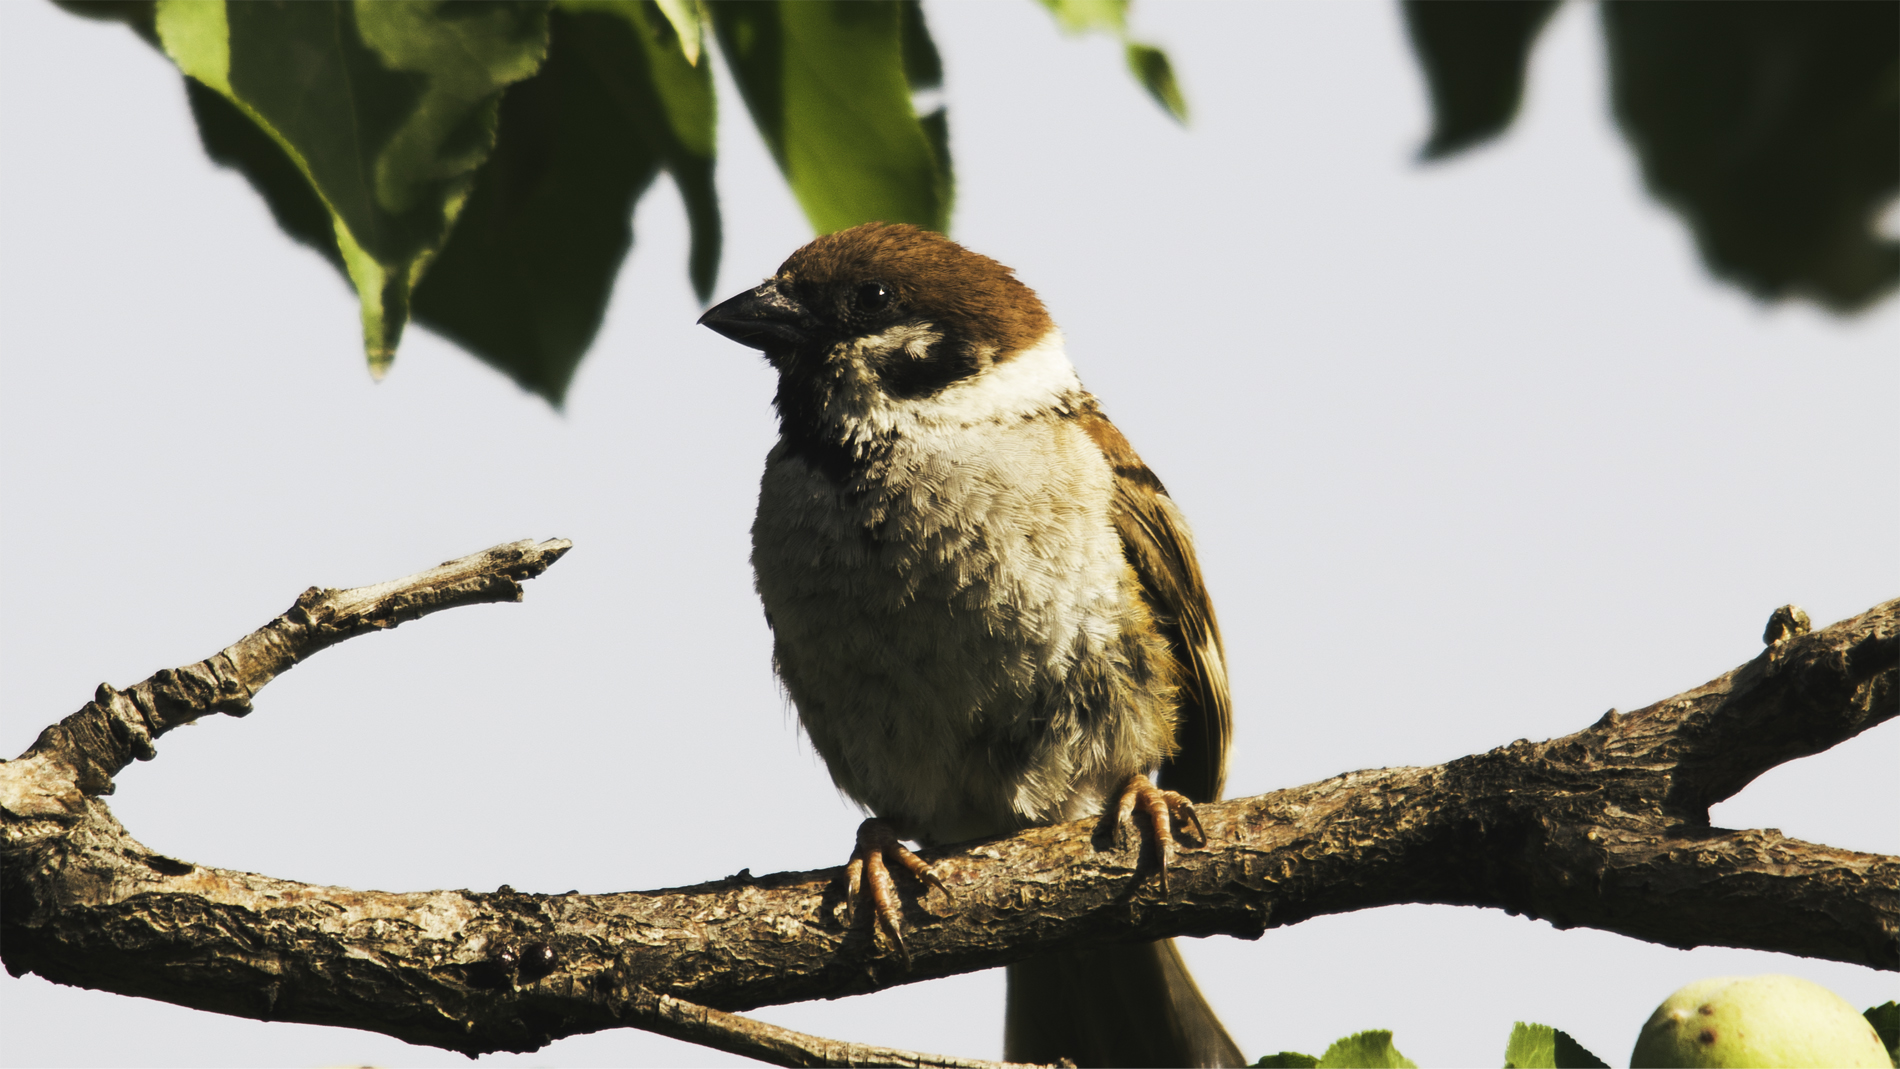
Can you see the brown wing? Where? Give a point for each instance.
(1155, 537)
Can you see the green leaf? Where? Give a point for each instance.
(1147, 63)
(1539, 1046)
(525, 278)
(231, 139)
(387, 110)
(1287, 1059)
(1365, 1050)
(923, 67)
(525, 275)
(1474, 53)
(1572, 1055)
(138, 14)
(1087, 16)
(826, 83)
(1531, 1046)
(683, 16)
(1151, 68)
(1886, 1021)
(1769, 127)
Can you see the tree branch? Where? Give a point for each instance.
(82, 753)
(1605, 828)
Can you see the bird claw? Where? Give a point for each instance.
(1167, 813)
(868, 879)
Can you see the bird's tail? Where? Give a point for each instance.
(1112, 1004)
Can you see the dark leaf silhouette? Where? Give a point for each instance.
(1474, 53)
(1771, 126)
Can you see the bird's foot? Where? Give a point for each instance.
(868, 879)
(1164, 814)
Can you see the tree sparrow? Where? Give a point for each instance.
(985, 607)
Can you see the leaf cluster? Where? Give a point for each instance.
(1531, 1046)
(474, 166)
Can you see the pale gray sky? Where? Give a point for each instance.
(1473, 453)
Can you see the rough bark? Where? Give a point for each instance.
(1605, 828)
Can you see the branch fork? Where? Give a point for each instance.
(1605, 828)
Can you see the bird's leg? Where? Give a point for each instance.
(868, 877)
(1163, 813)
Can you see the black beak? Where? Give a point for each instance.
(765, 317)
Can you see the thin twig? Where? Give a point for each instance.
(773, 1045)
(81, 754)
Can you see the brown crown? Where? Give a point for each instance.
(930, 276)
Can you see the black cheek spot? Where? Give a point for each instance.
(907, 378)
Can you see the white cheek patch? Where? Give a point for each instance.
(913, 339)
(1030, 381)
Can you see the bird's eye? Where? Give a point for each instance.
(873, 296)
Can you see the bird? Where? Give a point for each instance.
(986, 610)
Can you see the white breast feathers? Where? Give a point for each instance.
(956, 622)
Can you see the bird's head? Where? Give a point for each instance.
(882, 314)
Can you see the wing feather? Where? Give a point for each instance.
(1155, 537)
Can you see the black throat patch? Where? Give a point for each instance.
(805, 386)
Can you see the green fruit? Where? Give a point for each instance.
(1757, 1021)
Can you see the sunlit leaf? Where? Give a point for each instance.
(386, 109)
(1531, 1046)
(683, 16)
(525, 278)
(1365, 1050)
(1084, 16)
(1474, 53)
(825, 81)
(1771, 128)
(1539, 1046)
